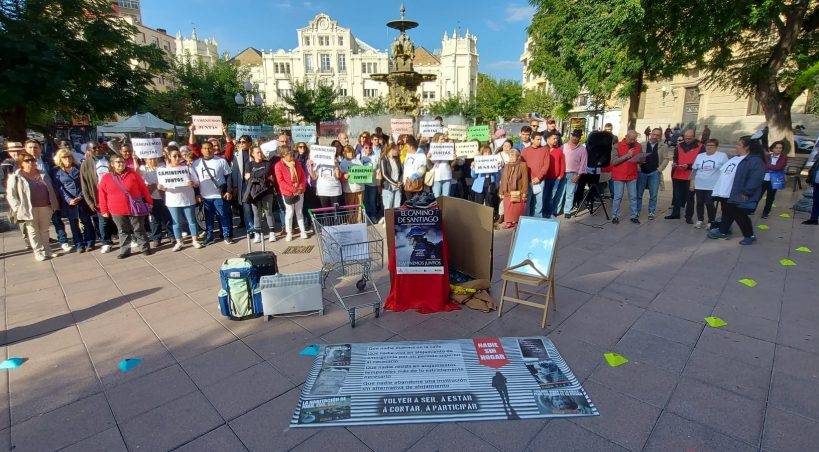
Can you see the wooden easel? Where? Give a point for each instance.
(541, 280)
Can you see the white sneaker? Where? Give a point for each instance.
(184, 234)
(40, 257)
(257, 238)
(698, 225)
(289, 238)
(272, 237)
(303, 235)
(228, 242)
(105, 249)
(196, 244)
(135, 247)
(66, 247)
(178, 246)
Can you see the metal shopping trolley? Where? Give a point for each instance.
(350, 245)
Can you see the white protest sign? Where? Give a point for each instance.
(456, 132)
(466, 149)
(207, 125)
(430, 128)
(400, 126)
(323, 155)
(485, 164)
(270, 148)
(305, 134)
(146, 148)
(254, 132)
(441, 151)
(173, 177)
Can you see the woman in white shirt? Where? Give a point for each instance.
(181, 200)
(441, 170)
(353, 193)
(706, 173)
(327, 183)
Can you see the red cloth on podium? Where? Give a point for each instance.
(423, 293)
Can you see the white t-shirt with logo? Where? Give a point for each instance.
(727, 173)
(219, 169)
(707, 169)
(326, 182)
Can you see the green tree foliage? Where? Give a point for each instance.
(374, 106)
(347, 106)
(497, 98)
(536, 101)
(314, 102)
(69, 57)
(452, 106)
(768, 49)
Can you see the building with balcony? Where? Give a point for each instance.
(193, 49)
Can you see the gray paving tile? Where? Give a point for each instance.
(247, 389)
(172, 424)
(730, 374)
(647, 383)
(390, 438)
(797, 336)
(627, 293)
(795, 394)
(109, 440)
(675, 433)
(796, 362)
(138, 396)
(669, 327)
(623, 420)
(65, 425)
(339, 439)
(269, 424)
(653, 350)
(724, 411)
(737, 346)
(788, 431)
(749, 325)
(221, 439)
(563, 435)
(221, 362)
(506, 435)
(451, 437)
(681, 308)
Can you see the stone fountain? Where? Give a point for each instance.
(402, 79)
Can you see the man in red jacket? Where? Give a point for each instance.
(624, 165)
(555, 184)
(684, 157)
(536, 158)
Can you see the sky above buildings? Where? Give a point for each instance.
(238, 24)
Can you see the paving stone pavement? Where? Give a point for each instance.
(206, 383)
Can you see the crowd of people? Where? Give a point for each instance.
(105, 190)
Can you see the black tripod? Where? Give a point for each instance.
(592, 196)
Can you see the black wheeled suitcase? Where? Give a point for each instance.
(263, 261)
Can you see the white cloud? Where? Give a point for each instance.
(505, 65)
(515, 13)
(492, 25)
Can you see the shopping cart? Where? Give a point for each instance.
(350, 245)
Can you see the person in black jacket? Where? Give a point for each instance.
(813, 180)
(739, 188)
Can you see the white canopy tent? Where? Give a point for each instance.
(139, 123)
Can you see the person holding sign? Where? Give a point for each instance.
(259, 193)
(181, 199)
(291, 179)
(353, 192)
(214, 141)
(514, 186)
(328, 185)
(441, 169)
(390, 172)
(160, 218)
(369, 160)
(485, 186)
(415, 166)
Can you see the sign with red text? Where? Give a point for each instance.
(207, 125)
(490, 352)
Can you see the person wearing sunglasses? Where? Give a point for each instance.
(32, 202)
(66, 178)
(124, 197)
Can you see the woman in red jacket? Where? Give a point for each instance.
(775, 162)
(123, 196)
(291, 180)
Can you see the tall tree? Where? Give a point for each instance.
(69, 56)
(497, 98)
(453, 106)
(766, 49)
(536, 101)
(313, 102)
(606, 47)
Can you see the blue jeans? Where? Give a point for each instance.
(652, 181)
(371, 202)
(189, 214)
(570, 188)
(441, 187)
(548, 186)
(558, 188)
(104, 226)
(619, 186)
(84, 237)
(535, 203)
(59, 227)
(391, 198)
(220, 207)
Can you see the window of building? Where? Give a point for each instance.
(755, 107)
(308, 63)
(368, 93)
(342, 91)
(428, 95)
(130, 4)
(324, 40)
(342, 63)
(286, 68)
(369, 68)
(307, 40)
(341, 41)
(324, 62)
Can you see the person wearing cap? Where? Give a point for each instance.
(576, 158)
(32, 202)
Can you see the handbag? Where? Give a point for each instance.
(292, 199)
(222, 187)
(138, 206)
(514, 196)
(429, 177)
(413, 186)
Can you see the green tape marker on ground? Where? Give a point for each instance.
(614, 359)
(784, 215)
(762, 227)
(748, 282)
(804, 249)
(787, 263)
(715, 322)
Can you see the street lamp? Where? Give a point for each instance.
(248, 99)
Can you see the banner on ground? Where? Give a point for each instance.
(400, 126)
(430, 128)
(480, 133)
(254, 132)
(323, 155)
(467, 149)
(439, 381)
(146, 148)
(418, 242)
(207, 125)
(441, 151)
(305, 133)
(173, 177)
(485, 164)
(456, 132)
(360, 174)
